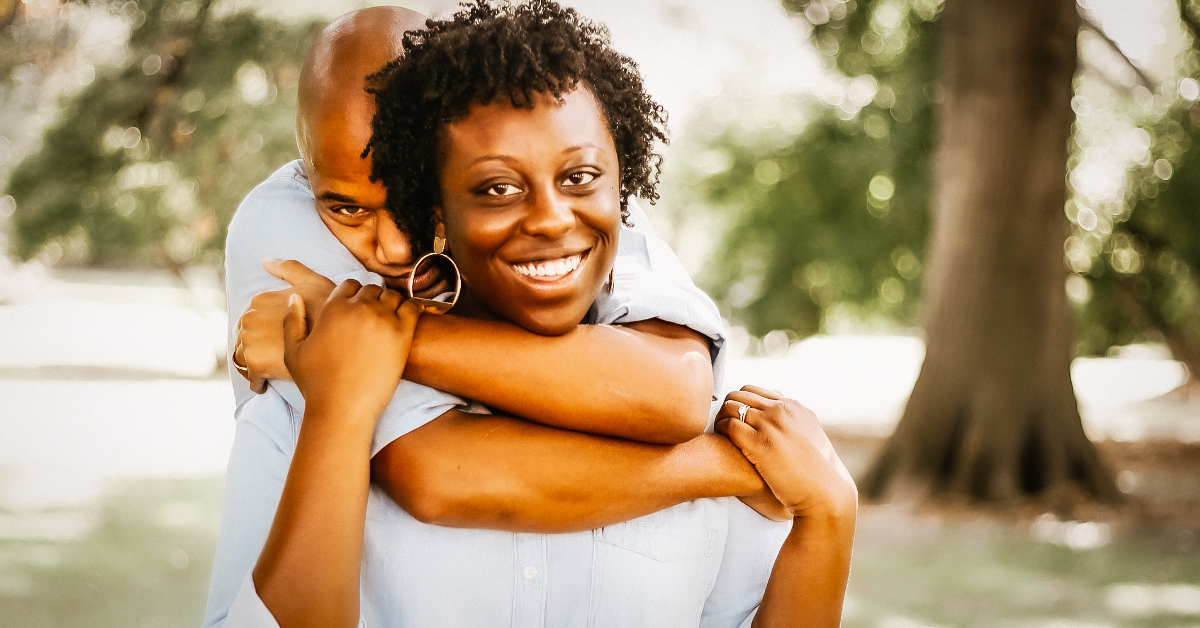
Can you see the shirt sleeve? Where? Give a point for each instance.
(278, 219)
(751, 547)
(651, 283)
(248, 610)
(263, 445)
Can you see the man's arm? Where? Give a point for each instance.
(467, 470)
(648, 381)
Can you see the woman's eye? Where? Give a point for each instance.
(580, 178)
(349, 210)
(502, 189)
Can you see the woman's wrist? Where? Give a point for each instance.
(353, 416)
(839, 507)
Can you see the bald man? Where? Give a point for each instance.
(450, 467)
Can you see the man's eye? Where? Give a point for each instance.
(580, 178)
(349, 210)
(502, 189)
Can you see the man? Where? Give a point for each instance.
(456, 469)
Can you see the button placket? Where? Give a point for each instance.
(529, 588)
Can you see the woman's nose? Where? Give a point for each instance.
(391, 244)
(550, 215)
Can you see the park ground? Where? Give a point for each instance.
(115, 425)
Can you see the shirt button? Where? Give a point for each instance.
(530, 572)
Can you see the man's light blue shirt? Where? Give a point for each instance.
(677, 567)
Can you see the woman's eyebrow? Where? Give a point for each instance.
(504, 158)
(579, 147)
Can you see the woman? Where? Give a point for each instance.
(525, 171)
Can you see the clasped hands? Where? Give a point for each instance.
(343, 346)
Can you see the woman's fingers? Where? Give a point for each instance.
(369, 292)
(733, 409)
(773, 395)
(737, 431)
(390, 299)
(754, 400)
(345, 290)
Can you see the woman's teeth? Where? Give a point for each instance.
(550, 267)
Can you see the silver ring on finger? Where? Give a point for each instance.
(742, 410)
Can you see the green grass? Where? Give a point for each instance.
(145, 564)
(144, 555)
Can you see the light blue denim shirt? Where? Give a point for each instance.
(701, 563)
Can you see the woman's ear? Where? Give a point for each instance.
(439, 232)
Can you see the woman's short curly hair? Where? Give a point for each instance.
(497, 50)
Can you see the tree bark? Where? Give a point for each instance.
(993, 415)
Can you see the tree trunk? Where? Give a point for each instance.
(993, 415)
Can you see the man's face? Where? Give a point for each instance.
(352, 206)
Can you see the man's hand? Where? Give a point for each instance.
(259, 346)
(787, 446)
(353, 359)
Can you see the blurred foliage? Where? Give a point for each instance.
(147, 162)
(838, 217)
(836, 220)
(1141, 259)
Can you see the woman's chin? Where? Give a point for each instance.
(551, 322)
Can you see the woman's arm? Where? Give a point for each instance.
(347, 368)
(649, 381)
(792, 453)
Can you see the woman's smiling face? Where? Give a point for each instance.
(531, 205)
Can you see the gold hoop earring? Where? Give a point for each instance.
(440, 304)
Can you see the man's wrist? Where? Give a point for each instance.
(722, 470)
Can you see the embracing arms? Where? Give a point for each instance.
(649, 381)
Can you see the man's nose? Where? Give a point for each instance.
(392, 245)
(551, 214)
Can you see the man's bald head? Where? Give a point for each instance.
(333, 125)
(333, 112)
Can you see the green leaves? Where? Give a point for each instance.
(147, 163)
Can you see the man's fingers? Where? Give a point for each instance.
(293, 272)
(295, 323)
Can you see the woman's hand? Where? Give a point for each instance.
(783, 440)
(258, 351)
(352, 360)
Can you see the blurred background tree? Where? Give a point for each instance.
(149, 159)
